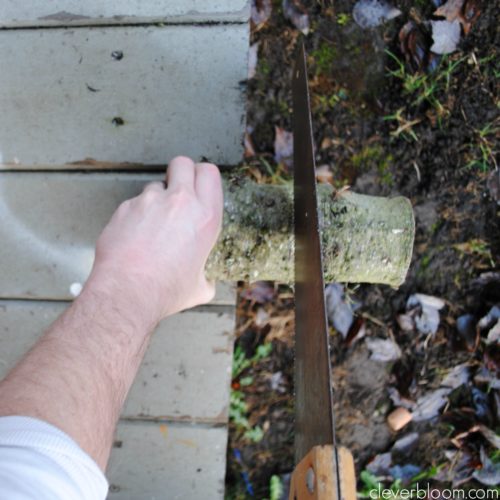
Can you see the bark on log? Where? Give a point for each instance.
(365, 239)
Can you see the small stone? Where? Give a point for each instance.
(398, 419)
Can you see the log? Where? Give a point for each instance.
(365, 239)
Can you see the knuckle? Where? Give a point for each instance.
(181, 197)
(149, 197)
(211, 169)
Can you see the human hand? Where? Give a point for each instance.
(152, 253)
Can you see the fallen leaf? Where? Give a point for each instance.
(380, 464)
(490, 319)
(253, 52)
(427, 320)
(278, 382)
(414, 45)
(484, 376)
(450, 10)
(460, 469)
(338, 310)
(261, 12)
(494, 334)
(406, 444)
(466, 328)
(428, 406)
(261, 317)
(383, 350)
(430, 301)
(400, 401)
(283, 146)
(249, 147)
(464, 11)
(259, 292)
(324, 174)
(489, 474)
(356, 332)
(445, 36)
(492, 437)
(372, 13)
(404, 472)
(458, 376)
(405, 322)
(480, 402)
(297, 14)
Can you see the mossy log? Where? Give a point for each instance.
(365, 239)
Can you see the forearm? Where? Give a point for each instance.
(78, 375)
(149, 264)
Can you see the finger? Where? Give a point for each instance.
(181, 173)
(208, 186)
(154, 187)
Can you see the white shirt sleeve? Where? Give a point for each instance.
(38, 461)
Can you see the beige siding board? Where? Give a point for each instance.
(14, 13)
(49, 224)
(176, 88)
(158, 461)
(186, 372)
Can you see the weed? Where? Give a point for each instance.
(477, 248)
(370, 483)
(238, 408)
(424, 88)
(254, 434)
(324, 57)
(405, 127)
(425, 261)
(241, 362)
(325, 103)
(343, 19)
(483, 153)
(276, 489)
(277, 175)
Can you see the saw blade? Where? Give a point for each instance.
(314, 424)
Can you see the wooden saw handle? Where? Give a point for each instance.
(315, 477)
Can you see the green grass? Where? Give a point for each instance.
(482, 152)
(424, 89)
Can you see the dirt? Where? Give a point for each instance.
(441, 162)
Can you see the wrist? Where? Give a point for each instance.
(121, 296)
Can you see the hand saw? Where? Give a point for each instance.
(324, 471)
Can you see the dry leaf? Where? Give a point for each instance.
(465, 11)
(261, 12)
(252, 59)
(372, 13)
(283, 146)
(324, 174)
(445, 36)
(249, 147)
(383, 350)
(297, 14)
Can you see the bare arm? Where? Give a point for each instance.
(149, 264)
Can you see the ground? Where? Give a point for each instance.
(389, 119)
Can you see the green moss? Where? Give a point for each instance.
(374, 157)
